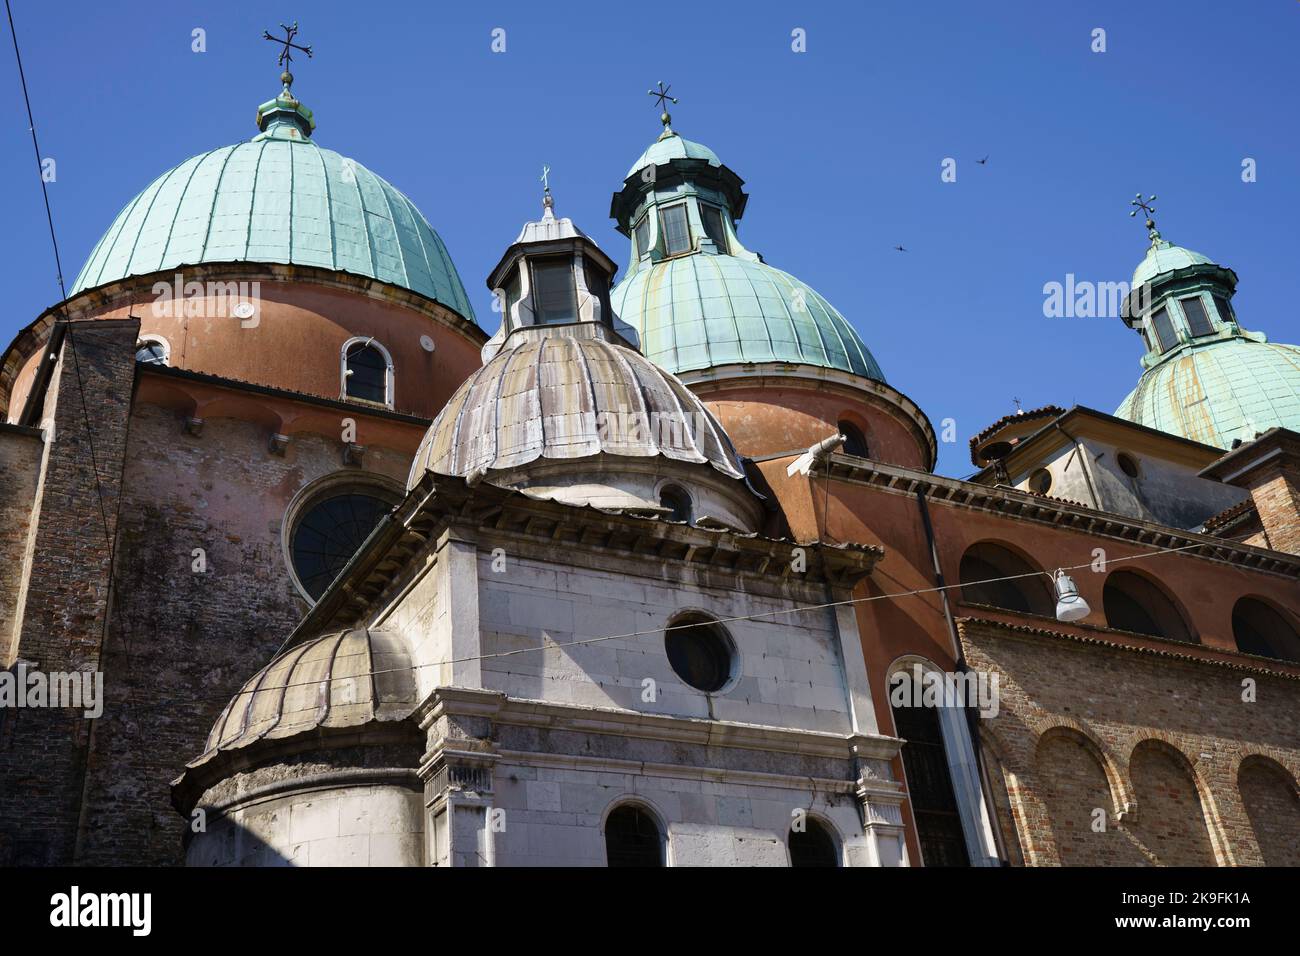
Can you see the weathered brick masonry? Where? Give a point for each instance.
(1185, 768)
(43, 751)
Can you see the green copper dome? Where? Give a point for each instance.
(669, 147)
(701, 310)
(277, 199)
(695, 295)
(1165, 257)
(1206, 378)
(1232, 388)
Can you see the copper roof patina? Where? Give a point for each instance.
(279, 198)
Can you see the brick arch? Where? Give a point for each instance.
(1272, 802)
(1081, 790)
(1004, 786)
(1174, 823)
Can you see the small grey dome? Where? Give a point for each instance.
(570, 396)
(339, 680)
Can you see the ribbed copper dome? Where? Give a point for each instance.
(569, 396)
(339, 680)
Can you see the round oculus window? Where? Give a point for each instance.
(329, 531)
(700, 653)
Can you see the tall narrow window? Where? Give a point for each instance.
(643, 236)
(1164, 329)
(714, 227)
(929, 786)
(366, 372)
(677, 234)
(511, 292)
(555, 296)
(1198, 323)
(597, 285)
(632, 838)
(1225, 310)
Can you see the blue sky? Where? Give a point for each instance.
(840, 148)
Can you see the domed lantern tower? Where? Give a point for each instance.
(566, 407)
(773, 359)
(1204, 376)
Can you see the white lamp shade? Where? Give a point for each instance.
(1070, 606)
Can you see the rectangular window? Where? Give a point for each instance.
(714, 227)
(1198, 323)
(511, 293)
(1164, 330)
(677, 235)
(643, 236)
(1225, 310)
(555, 294)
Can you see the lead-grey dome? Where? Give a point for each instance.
(337, 681)
(570, 396)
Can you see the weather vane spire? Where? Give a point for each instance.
(286, 54)
(1145, 205)
(662, 96)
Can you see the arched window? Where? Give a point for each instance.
(367, 371)
(984, 568)
(1136, 604)
(678, 503)
(855, 443)
(1261, 630)
(328, 530)
(152, 350)
(633, 838)
(813, 845)
(700, 652)
(929, 783)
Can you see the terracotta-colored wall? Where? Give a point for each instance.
(839, 511)
(294, 341)
(766, 420)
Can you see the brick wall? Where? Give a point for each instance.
(43, 751)
(1277, 501)
(1270, 797)
(20, 464)
(183, 642)
(1156, 739)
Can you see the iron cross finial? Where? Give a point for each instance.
(1019, 409)
(662, 96)
(286, 55)
(547, 201)
(1150, 210)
